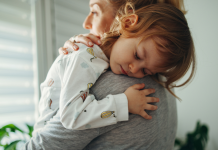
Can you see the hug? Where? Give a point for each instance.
(114, 87)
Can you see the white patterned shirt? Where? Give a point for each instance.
(66, 88)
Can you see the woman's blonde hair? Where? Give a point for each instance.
(169, 31)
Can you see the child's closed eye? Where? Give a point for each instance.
(136, 56)
(144, 72)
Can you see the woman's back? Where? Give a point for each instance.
(138, 133)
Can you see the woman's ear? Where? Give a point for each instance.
(131, 20)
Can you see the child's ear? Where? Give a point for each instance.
(131, 20)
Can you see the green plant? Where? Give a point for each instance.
(6, 131)
(195, 140)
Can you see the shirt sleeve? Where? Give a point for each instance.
(80, 110)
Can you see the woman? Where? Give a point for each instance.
(137, 133)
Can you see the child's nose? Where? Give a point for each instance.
(133, 68)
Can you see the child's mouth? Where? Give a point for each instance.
(123, 71)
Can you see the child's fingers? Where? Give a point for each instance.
(149, 91)
(152, 99)
(62, 50)
(85, 39)
(68, 46)
(75, 47)
(94, 39)
(138, 86)
(150, 107)
(71, 45)
(145, 115)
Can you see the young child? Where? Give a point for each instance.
(154, 40)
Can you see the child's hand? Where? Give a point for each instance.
(87, 39)
(138, 102)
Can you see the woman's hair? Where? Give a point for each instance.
(117, 4)
(169, 30)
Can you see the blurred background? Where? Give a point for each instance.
(31, 31)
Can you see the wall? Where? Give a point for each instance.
(199, 99)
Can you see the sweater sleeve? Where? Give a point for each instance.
(80, 110)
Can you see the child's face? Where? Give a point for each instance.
(133, 59)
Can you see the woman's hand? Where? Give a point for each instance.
(138, 100)
(87, 39)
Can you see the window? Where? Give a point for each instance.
(31, 31)
(69, 17)
(16, 62)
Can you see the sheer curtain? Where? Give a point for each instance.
(31, 31)
(16, 62)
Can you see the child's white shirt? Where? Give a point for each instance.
(66, 89)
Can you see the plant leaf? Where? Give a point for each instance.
(12, 145)
(12, 127)
(3, 133)
(30, 129)
(198, 145)
(5, 145)
(178, 142)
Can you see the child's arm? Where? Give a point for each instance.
(137, 103)
(78, 109)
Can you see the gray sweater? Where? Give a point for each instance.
(137, 133)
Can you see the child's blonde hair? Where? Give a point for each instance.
(116, 4)
(170, 32)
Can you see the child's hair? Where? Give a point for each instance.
(169, 31)
(116, 4)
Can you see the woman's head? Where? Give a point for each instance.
(102, 12)
(100, 17)
(164, 26)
